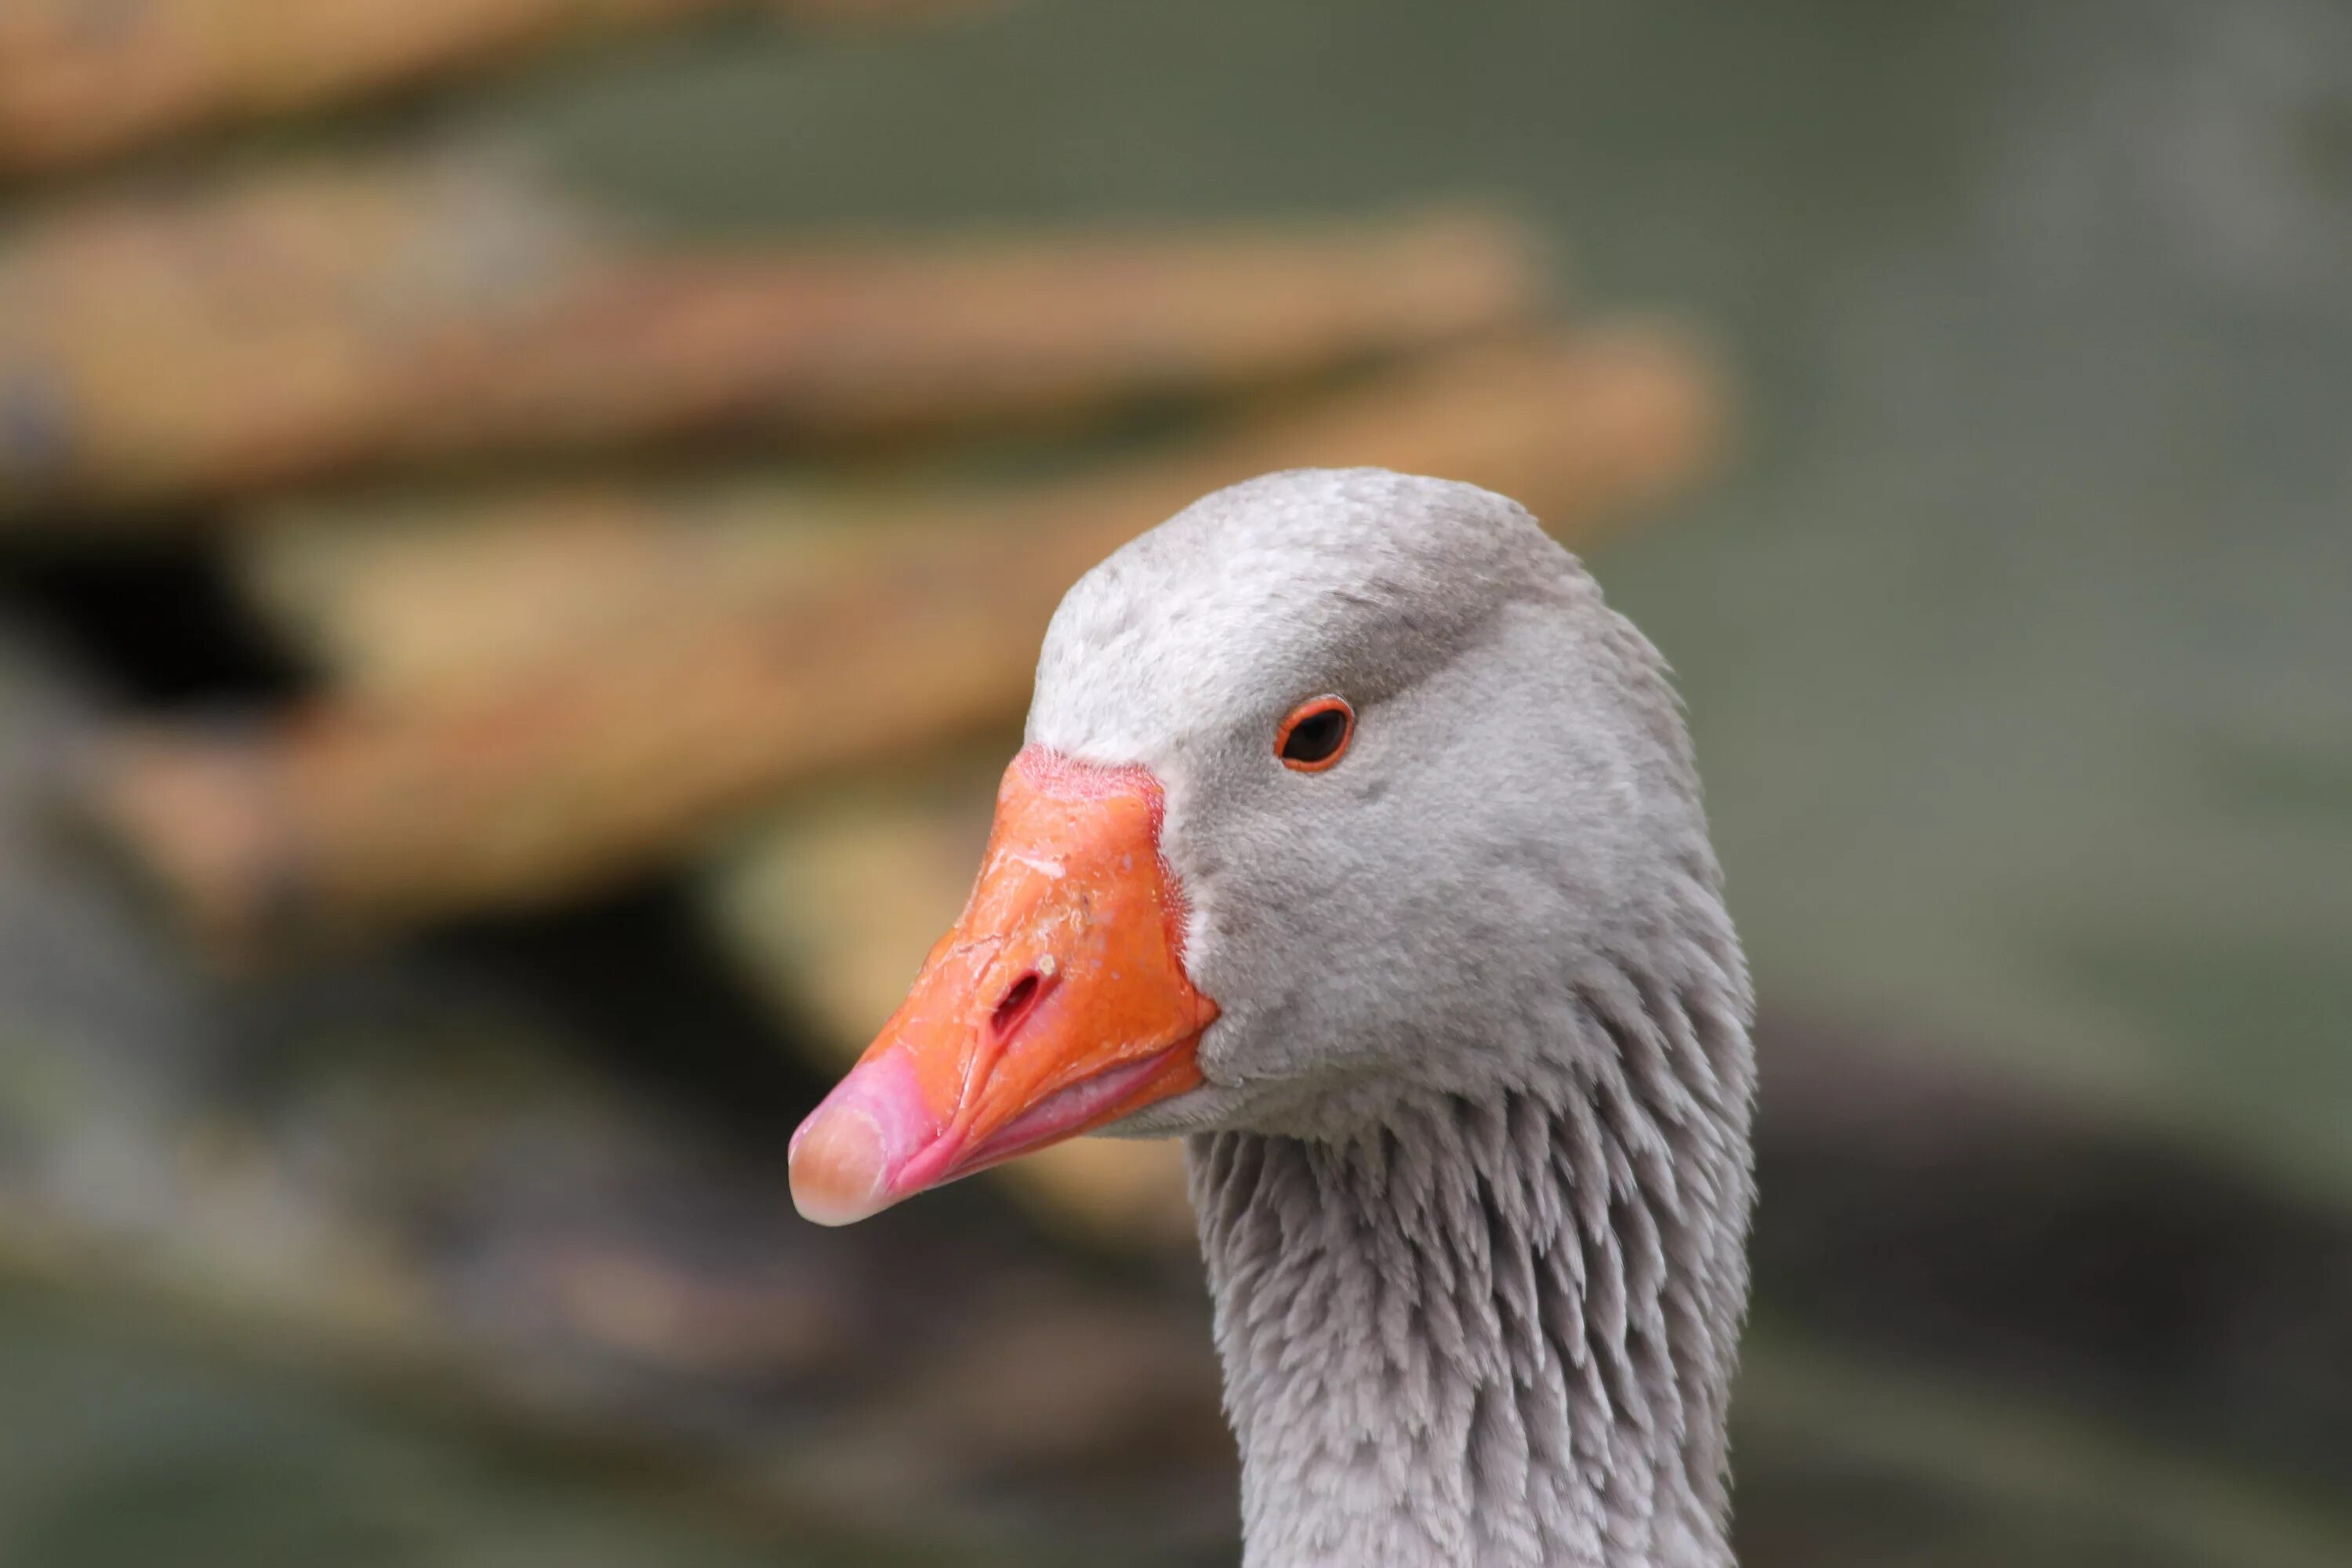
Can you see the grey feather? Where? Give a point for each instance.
(1471, 1158)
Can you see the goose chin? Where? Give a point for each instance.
(1093, 1102)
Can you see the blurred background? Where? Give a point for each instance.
(524, 525)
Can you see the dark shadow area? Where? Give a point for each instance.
(1955, 1222)
(157, 621)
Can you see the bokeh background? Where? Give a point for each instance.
(522, 528)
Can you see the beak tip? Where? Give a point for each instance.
(840, 1167)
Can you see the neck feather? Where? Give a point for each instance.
(1498, 1328)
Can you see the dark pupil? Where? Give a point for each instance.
(1313, 739)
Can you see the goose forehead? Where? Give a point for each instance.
(1138, 658)
(1241, 602)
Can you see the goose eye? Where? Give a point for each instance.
(1316, 734)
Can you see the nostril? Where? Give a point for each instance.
(1018, 1000)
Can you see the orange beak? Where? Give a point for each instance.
(1058, 1004)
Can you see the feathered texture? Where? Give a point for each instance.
(1471, 1156)
(1500, 1331)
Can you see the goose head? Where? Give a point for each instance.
(1332, 787)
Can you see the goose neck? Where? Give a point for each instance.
(1489, 1330)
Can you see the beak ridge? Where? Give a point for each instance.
(1058, 1004)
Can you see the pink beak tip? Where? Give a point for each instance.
(840, 1168)
(873, 1142)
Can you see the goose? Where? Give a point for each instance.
(1355, 840)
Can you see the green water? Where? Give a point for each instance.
(2016, 642)
(130, 1443)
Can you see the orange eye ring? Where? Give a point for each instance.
(1316, 734)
